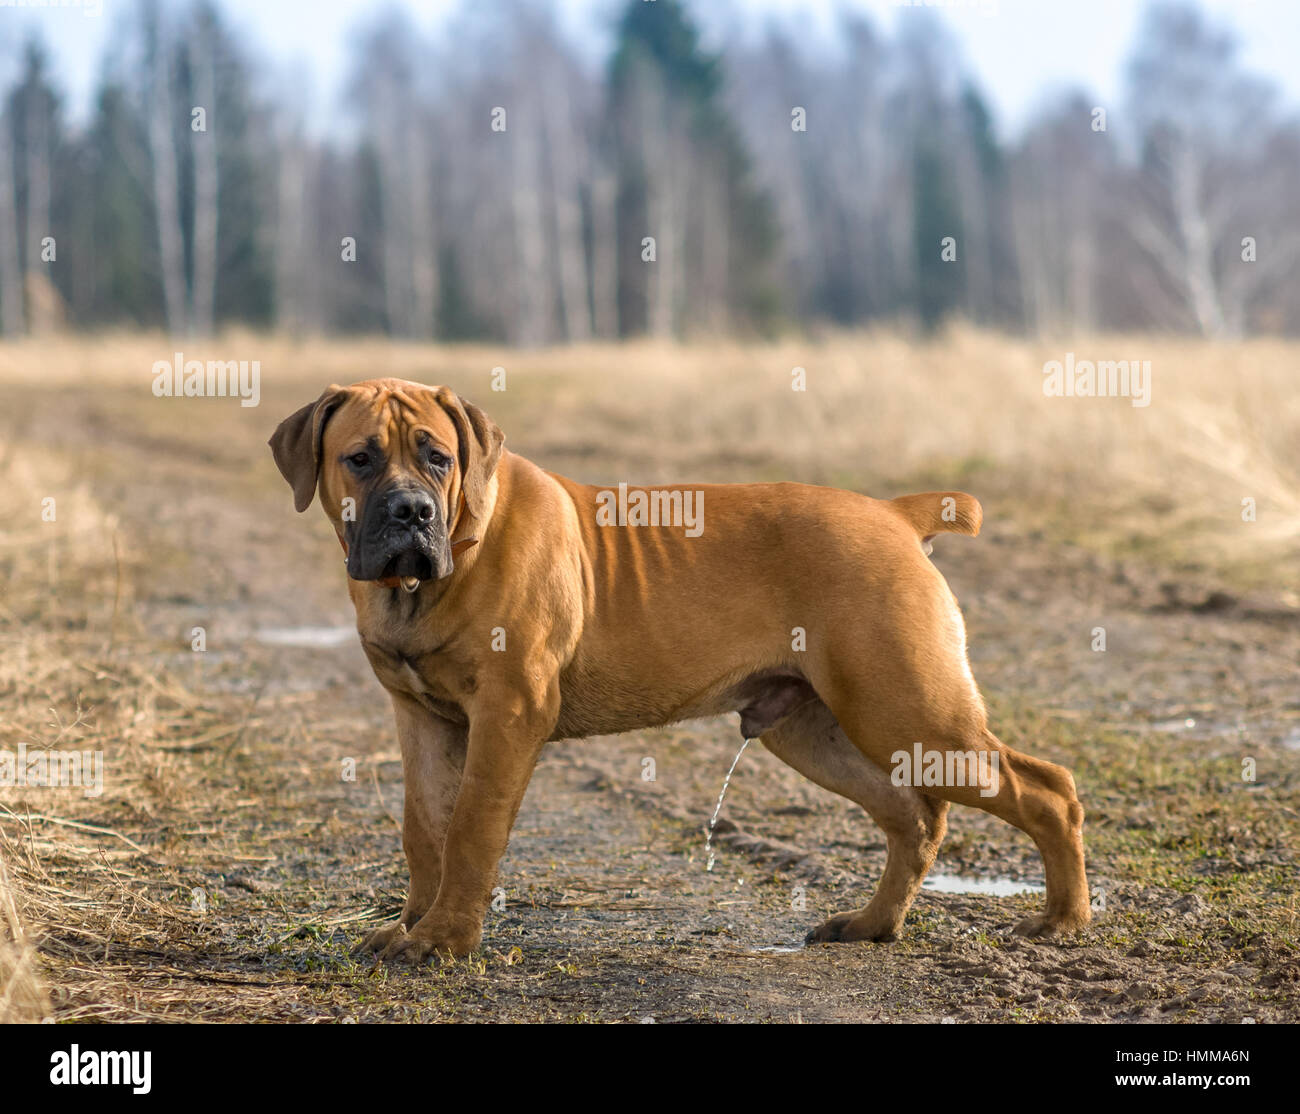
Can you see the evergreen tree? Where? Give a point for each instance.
(125, 285)
(684, 178)
(940, 282)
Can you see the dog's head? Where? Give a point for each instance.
(398, 465)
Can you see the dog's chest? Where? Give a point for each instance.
(428, 674)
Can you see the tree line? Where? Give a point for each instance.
(495, 184)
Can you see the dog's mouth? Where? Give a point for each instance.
(406, 569)
(391, 553)
(406, 564)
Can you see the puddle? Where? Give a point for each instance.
(1189, 727)
(315, 638)
(966, 884)
(1169, 726)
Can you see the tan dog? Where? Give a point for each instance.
(501, 611)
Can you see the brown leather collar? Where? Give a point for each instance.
(458, 546)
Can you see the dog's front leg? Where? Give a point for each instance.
(503, 749)
(433, 758)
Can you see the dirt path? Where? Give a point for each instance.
(259, 863)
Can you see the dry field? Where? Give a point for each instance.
(227, 867)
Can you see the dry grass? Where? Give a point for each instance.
(879, 411)
(22, 993)
(66, 684)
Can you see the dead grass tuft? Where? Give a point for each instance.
(22, 993)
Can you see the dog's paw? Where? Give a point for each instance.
(407, 947)
(1051, 926)
(858, 924)
(430, 937)
(378, 940)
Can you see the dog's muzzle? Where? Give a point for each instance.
(401, 536)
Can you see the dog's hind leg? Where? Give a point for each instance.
(1039, 798)
(813, 743)
(1034, 795)
(918, 692)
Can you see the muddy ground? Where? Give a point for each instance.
(236, 867)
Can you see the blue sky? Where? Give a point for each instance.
(1018, 49)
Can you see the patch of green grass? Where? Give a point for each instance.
(1163, 813)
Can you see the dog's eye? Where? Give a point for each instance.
(438, 461)
(359, 460)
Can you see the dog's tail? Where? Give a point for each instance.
(940, 512)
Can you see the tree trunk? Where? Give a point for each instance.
(11, 279)
(166, 202)
(204, 146)
(565, 150)
(424, 241)
(1197, 241)
(38, 183)
(290, 274)
(532, 315)
(604, 251)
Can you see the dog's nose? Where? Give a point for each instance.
(410, 506)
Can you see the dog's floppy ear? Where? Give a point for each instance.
(480, 448)
(296, 445)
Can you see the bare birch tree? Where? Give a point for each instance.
(11, 279)
(203, 144)
(162, 150)
(36, 134)
(1204, 125)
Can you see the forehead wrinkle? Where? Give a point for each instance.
(403, 419)
(399, 414)
(410, 416)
